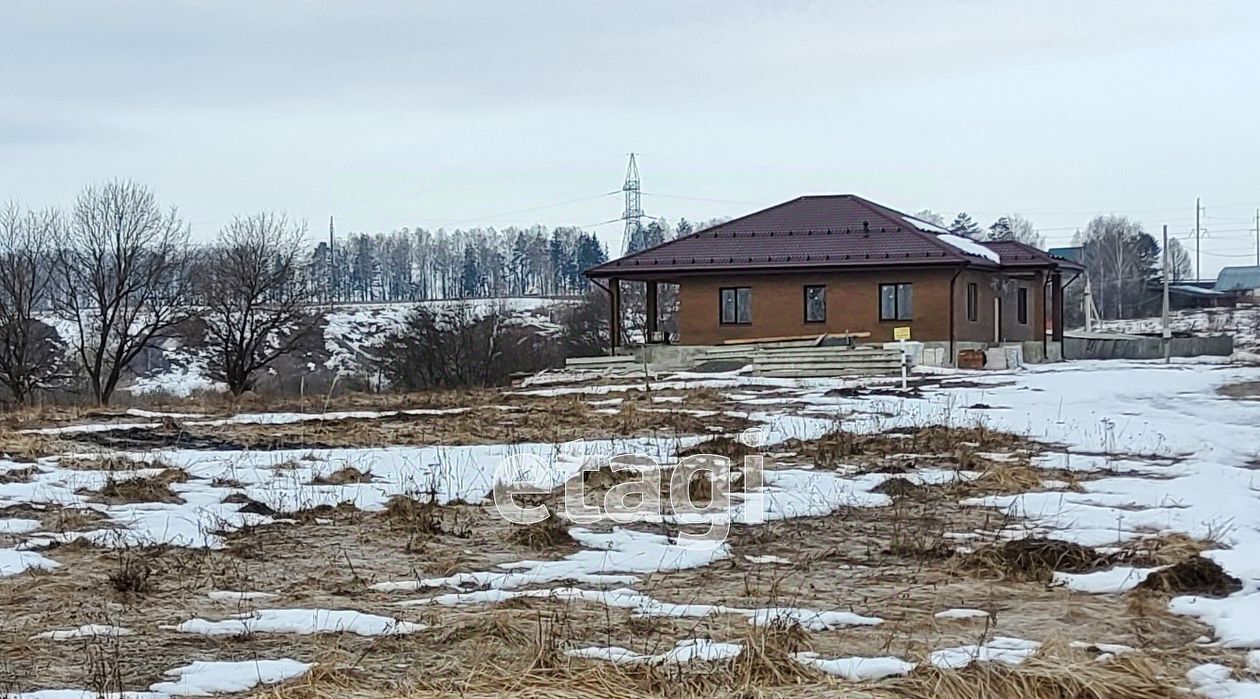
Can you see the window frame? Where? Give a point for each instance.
(1021, 305)
(721, 307)
(805, 289)
(898, 313)
(973, 302)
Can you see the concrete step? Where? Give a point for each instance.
(861, 359)
(812, 373)
(599, 362)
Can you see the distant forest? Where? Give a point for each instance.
(417, 264)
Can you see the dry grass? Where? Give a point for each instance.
(1165, 549)
(838, 446)
(1034, 560)
(18, 475)
(1193, 576)
(1127, 676)
(343, 476)
(766, 657)
(140, 489)
(551, 532)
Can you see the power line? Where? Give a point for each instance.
(527, 210)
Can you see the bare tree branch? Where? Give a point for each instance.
(31, 357)
(121, 276)
(254, 295)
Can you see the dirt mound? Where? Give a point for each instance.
(1193, 576)
(1035, 559)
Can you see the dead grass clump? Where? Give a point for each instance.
(424, 517)
(606, 477)
(544, 534)
(898, 487)
(700, 488)
(344, 476)
(999, 478)
(835, 446)
(18, 475)
(139, 489)
(29, 446)
(497, 627)
(766, 657)
(132, 574)
(69, 519)
(1165, 549)
(1126, 676)
(941, 439)
(732, 449)
(1193, 576)
(1034, 560)
(248, 505)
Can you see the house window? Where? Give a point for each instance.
(1021, 305)
(735, 305)
(973, 302)
(816, 304)
(896, 301)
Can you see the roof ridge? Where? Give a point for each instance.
(950, 250)
(693, 234)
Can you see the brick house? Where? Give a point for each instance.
(843, 264)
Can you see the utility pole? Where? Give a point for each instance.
(1258, 237)
(634, 207)
(331, 282)
(1198, 274)
(1167, 334)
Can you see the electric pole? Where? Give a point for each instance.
(1198, 273)
(1258, 237)
(1167, 334)
(331, 282)
(634, 208)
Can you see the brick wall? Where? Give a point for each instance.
(778, 306)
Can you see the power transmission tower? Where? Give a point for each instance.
(634, 208)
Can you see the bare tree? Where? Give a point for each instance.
(1180, 267)
(31, 356)
(120, 272)
(255, 298)
(1122, 261)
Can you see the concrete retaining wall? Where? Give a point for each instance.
(1146, 347)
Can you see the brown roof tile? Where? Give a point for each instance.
(805, 233)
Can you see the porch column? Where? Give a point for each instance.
(614, 315)
(653, 319)
(1056, 297)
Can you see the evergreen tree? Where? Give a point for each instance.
(964, 226)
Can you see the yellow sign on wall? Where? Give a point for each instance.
(901, 333)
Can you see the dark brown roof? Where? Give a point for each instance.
(811, 232)
(1017, 254)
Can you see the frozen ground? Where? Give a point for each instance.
(246, 553)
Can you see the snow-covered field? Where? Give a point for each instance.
(235, 569)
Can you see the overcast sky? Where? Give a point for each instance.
(504, 113)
